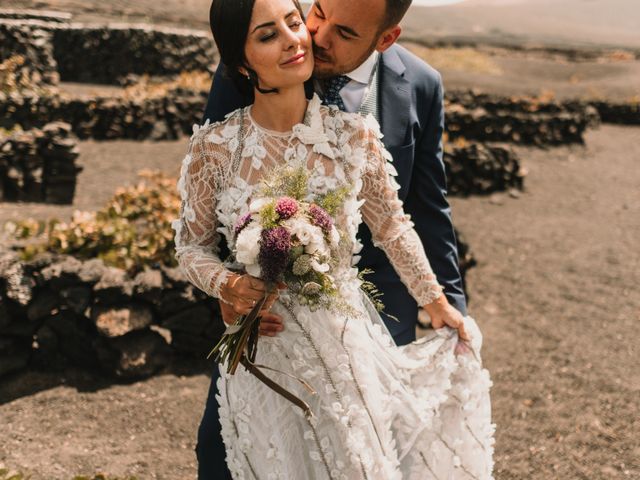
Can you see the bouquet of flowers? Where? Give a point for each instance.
(285, 238)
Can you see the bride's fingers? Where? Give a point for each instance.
(453, 321)
(254, 284)
(270, 325)
(462, 332)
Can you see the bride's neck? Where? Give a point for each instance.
(280, 111)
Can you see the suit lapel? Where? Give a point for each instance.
(394, 95)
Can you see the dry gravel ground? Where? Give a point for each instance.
(576, 22)
(555, 291)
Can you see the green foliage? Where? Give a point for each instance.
(133, 230)
(6, 474)
(268, 216)
(333, 200)
(290, 182)
(371, 290)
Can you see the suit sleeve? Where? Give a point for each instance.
(224, 97)
(427, 199)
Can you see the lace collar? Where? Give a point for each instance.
(312, 131)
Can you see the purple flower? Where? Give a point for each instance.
(273, 258)
(286, 207)
(320, 218)
(242, 222)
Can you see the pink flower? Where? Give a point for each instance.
(320, 218)
(286, 207)
(273, 258)
(242, 222)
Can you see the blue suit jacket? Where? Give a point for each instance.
(412, 121)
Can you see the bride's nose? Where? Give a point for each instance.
(291, 40)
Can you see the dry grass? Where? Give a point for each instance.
(460, 59)
(6, 474)
(149, 87)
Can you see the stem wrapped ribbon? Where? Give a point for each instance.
(239, 345)
(240, 338)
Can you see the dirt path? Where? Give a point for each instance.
(555, 291)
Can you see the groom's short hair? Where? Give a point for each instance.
(394, 12)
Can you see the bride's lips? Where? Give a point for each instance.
(299, 58)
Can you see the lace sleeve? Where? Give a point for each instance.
(196, 235)
(392, 230)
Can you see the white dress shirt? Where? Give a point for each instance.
(353, 93)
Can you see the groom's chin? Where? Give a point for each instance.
(323, 69)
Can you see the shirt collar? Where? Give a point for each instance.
(362, 74)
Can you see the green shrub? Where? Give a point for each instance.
(132, 231)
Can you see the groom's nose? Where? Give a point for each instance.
(321, 37)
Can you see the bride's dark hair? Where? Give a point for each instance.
(229, 21)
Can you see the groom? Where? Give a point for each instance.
(359, 68)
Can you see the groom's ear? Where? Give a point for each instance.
(388, 37)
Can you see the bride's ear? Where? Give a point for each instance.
(244, 72)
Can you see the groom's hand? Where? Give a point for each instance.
(270, 323)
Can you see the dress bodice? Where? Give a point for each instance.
(227, 161)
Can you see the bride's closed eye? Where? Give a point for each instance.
(295, 26)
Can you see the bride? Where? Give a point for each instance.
(380, 411)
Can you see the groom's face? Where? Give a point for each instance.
(345, 33)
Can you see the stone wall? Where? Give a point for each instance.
(108, 118)
(105, 54)
(156, 118)
(620, 113)
(490, 118)
(59, 50)
(39, 165)
(56, 311)
(476, 168)
(32, 40)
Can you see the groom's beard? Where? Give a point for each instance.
(327, 66)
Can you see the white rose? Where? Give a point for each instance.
(254, 270)
(319, 267)
(300, 229)
(257, 204)
(317, 244)
(248, 244)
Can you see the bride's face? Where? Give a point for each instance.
(278, 45)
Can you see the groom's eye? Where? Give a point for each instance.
(344, 35)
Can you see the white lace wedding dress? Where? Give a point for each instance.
(381, 412)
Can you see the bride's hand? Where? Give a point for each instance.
(442, 313)
(270, 323)
(239, 296)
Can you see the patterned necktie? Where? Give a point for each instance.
(332, 89)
